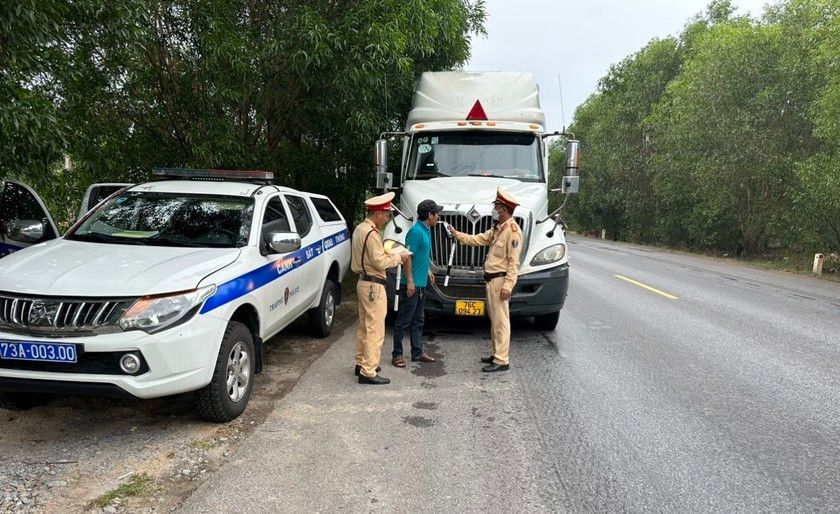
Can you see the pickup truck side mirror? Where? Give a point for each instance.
(25, 231)
(283, 242)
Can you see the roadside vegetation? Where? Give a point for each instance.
(138, 485)
(724, 139)
(95, 91)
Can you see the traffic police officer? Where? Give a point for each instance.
(501, 268)
(370, 261)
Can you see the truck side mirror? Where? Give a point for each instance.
(380, 162)
(571, 180)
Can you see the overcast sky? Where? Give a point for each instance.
(578, 39)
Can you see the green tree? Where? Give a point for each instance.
(617, 191)
(296, 87)
(31, 135)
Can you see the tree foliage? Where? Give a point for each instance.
(724, 137)
(296, 87)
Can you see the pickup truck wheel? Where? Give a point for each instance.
(547, 321)
(321, 317)
(228, 392)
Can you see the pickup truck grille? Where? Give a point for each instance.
(470, 258)
(56, 316)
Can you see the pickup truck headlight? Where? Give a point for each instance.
(155, 313)
(551, 254)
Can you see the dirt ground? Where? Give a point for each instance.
(104, 455)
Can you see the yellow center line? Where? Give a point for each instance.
(644, 286)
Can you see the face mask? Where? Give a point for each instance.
(494, 214)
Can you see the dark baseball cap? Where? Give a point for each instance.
(427, 207)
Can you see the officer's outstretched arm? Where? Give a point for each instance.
(483, 239)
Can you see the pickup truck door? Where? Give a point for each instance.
(96, 193)
(278, 296)
(24, 219)
(311, 269)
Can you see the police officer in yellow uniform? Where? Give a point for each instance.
(501, 268)
(370, 261)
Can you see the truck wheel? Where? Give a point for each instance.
(321, 317)
(547, 321)
(228, 392)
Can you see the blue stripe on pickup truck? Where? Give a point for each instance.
(253, 280)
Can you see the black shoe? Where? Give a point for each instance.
(359, 370)
(495, 367)
(487, 360)
(377, 380)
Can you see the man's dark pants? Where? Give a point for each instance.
(410, 318)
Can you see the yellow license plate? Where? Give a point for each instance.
(469, 307)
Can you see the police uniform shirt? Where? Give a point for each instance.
(376, 260)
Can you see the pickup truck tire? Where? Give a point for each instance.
(321, 317)
(547, 321)
(228, 392)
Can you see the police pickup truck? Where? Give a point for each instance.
(164, 287)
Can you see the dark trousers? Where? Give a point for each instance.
(410, 318)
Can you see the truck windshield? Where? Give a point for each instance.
(169, 219)
(480, 154)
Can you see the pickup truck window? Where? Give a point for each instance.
(300, 213)
(476, 154)
(169, 219)
(275, 218)
(326, 210)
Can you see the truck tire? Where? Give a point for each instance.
(321, 317)
(547, 321)
(228, 392)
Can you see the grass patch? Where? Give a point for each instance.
(198, 444)
(137, 486)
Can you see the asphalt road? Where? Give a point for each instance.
(673, 383)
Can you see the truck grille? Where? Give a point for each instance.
(470, 258)
(56, 316)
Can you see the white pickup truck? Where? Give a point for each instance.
(164, 287)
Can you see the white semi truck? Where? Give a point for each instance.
(466, 135)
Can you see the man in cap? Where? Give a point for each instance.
(412, 289)
(370, 261)
(501, 268)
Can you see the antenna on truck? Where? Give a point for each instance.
(562, 112)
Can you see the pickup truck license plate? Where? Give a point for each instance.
(43, 352)
(469, 307)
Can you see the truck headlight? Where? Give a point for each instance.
(155, 313)
(551, 254)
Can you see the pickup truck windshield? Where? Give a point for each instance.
(478, 154)
(169, 219)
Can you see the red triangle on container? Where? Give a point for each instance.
(477, 112)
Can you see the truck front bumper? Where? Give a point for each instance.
(538, 293)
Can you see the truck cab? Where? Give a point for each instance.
(467, 134)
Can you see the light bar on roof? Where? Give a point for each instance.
(217, 174)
